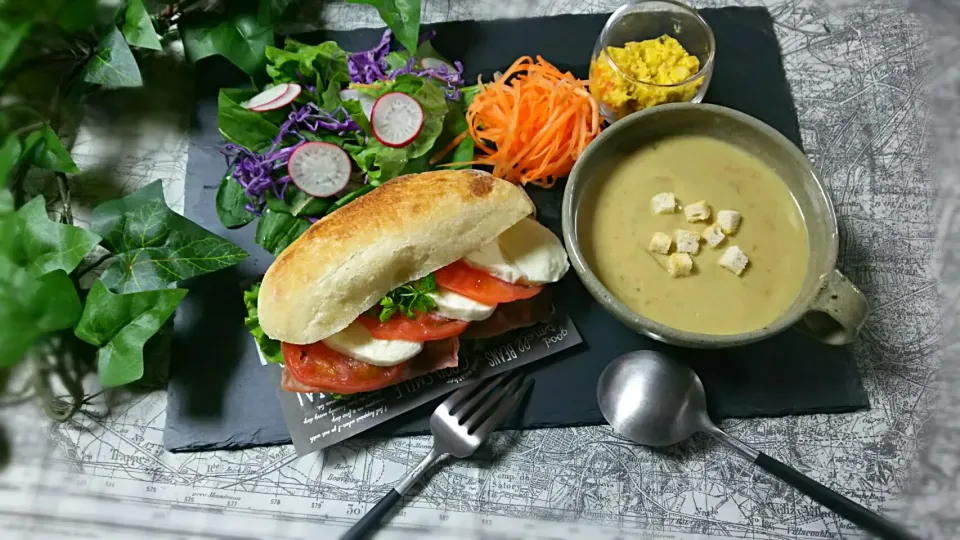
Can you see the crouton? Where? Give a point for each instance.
(680, 265)
(687, 241)
(698, 211)
(661, 243)
(664, 203)
(728, 220)
(734, 260)
(713, 235)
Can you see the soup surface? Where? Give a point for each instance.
(618, 223)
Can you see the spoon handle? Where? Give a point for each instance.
(867, 519)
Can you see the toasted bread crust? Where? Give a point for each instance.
(412, 225)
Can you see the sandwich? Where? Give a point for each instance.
(382, 290)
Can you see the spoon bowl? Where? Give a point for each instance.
(653, 400)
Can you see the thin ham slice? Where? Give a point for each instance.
(512, 315)
(436, 355)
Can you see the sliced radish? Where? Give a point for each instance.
(320, 169)
(396, 119)
(434, 63)
(291, 93)
(268, 95)
(366, 102)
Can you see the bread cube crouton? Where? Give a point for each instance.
(661, 243)
(728, 220)
(680, 265)
(687, 241)
(734, 260)
(698, 211)
(713, 235)
(664, 203)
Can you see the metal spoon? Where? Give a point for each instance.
(655, 401)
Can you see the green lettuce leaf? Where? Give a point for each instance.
(315, 64)
(269, 348)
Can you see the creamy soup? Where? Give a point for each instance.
(618, 223)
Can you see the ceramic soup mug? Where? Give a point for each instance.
(828, 306)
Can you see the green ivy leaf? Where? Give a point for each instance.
(9, 157)
(138, 28)
(120, 324)
(48, 152)
(241, 39)
(402, 16)
(48, 245)
(155, 246)
(240, 126)
(231, 200)
(31, 307)
(114, 64)
(270, 11)
(277, 230)
(11, 34)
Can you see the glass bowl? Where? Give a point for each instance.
(616, 88)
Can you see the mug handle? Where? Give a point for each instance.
(837, 312)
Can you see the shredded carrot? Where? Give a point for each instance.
(448, 148)
(532, 122)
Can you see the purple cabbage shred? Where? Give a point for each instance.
(254, 172)
(368, 67)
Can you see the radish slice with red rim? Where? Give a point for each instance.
(396, 119)
(291, 93)
(270, 94)
(319, 169)
(366, 102)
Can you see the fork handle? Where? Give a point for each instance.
(369, 523)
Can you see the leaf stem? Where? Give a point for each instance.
(94, 264)
(66, 210)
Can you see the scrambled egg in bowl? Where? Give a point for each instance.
(661, 61)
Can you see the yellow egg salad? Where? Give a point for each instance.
(660, 61)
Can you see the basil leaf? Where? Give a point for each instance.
(120, 324)
(138, 28)
(31, 307)
(155, 246)
(277, 230)
(397, 59)
(240, 126)
(114, 64)
(242, 38)
(269, 348)
(11, 34)
(307, 205)
(231, 200)
(47, 152)
(402, 16)
(48, 245)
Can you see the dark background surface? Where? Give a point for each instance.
(220, 397)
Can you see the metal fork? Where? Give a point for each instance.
(459, 426)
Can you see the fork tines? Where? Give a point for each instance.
(480, 408)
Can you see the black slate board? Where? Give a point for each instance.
(221, 397)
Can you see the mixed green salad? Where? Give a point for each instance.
(333, 125)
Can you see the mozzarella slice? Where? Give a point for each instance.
(456, 306)
(526, 253)
(356, 342)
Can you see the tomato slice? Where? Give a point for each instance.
(478, 285)
(327, 370)
(426, 327)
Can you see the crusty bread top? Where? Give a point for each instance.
(412, 225)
